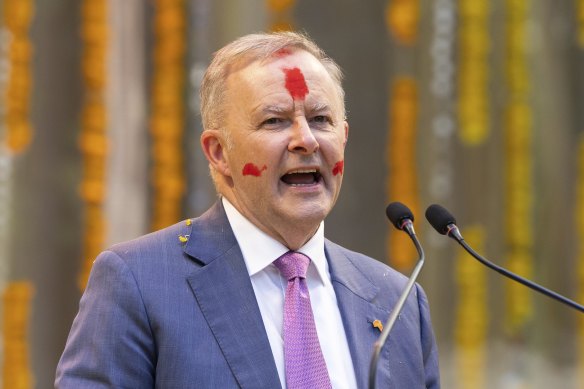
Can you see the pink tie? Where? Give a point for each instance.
(305, 365)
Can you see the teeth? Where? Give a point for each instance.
(302, 171)
(302, 177)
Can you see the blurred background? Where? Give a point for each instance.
(473, 104)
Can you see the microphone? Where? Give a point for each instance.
(403, 219)
(445, 224)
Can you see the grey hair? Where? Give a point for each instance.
(246, 49)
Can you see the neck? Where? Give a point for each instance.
(291, 233)
(296, 241)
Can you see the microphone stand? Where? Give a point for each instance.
(409, 228)
(454, 233)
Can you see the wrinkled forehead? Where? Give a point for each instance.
(296, 70)
(257, 59)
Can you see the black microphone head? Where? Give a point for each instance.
(397, 212)
(439, 218)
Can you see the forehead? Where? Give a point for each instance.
(290, 73)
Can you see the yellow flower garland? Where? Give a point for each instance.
(400, 160)
(401, 20)
(471, 316)
(580, 255)
(280, 12)
(168, 112)
(473, 78)
(519, 166)
(93, 141)
(580, 16)
(17, 18)
(16, 313)
(474, 127)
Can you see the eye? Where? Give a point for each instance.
(321, 119)
(272, 121)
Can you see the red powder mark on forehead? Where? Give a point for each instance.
(252, 170)
(282, 52)
(295, 83)
(338, 168)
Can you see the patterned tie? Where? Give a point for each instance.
(305, 365)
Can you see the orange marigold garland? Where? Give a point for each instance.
(16, 313)
(580, 21)
(17, 18)
(401, 17)
(168, 112)
(93, 140)
(280, 14)
(7, 158)
(400, 154)
(16, 137)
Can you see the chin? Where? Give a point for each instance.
(312, 212)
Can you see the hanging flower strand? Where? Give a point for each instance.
(580, 21)
(401, 18)
(580, 255)
(168, 112)
(401, 21)
(93, 141)
(17, 300)
(519, 166)
(280, 14)
(470, 331)
(17, 18)
(402, 178)
(473, 78)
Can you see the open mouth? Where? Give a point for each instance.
(302, 177)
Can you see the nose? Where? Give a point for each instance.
(303, 140)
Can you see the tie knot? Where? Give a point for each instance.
(292, 264)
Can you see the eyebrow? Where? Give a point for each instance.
(280, 109)
(274, 109)
(319, 107)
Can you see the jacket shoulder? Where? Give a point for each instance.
(155, 245)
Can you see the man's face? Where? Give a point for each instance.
(285, 120)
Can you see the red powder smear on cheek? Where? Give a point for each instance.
(338, 168)
(295, 83)
(252, 170)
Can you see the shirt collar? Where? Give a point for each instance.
(260, 250)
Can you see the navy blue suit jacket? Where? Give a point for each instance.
(165, 314)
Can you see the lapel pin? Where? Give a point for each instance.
(183, 238)
(378, 324)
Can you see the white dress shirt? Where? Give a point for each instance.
(259, 251)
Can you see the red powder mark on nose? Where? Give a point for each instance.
(252, 170)
(295, 83)
(338, 168)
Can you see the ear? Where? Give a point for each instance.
(212, 144)
(346, 124)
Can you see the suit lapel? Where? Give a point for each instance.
(225, 295)
(355, 294)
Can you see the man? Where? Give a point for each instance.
(215, 302)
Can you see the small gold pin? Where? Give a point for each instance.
(183, 238)
(378, 324)
(189, 222)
